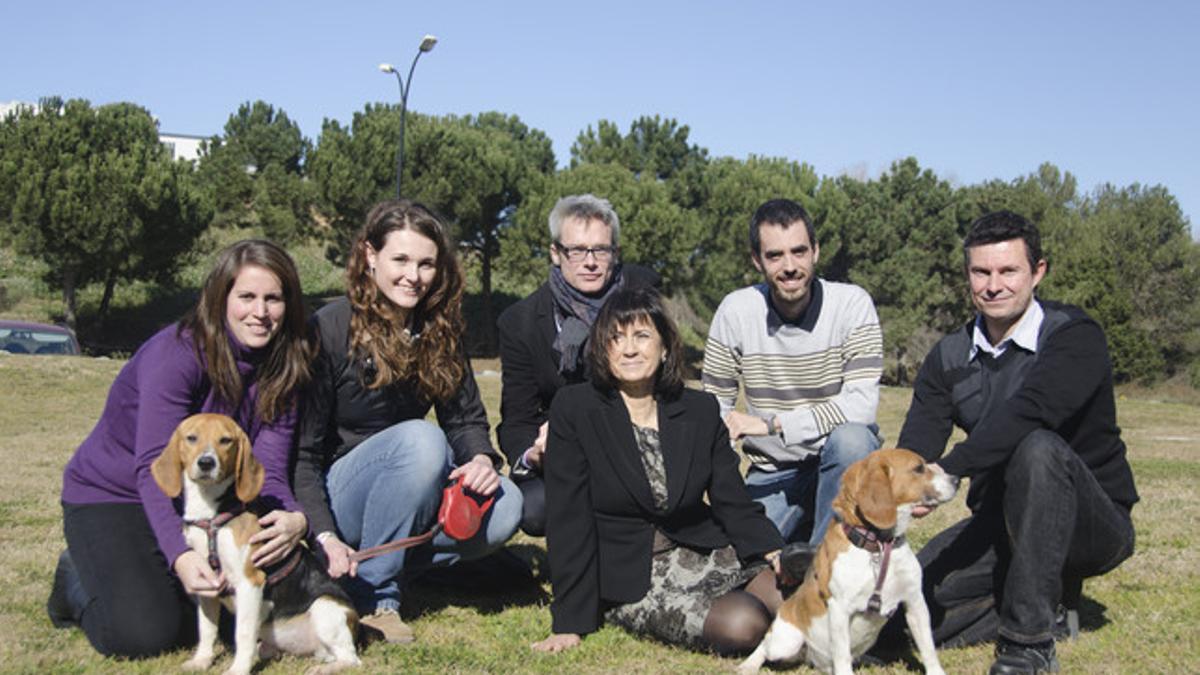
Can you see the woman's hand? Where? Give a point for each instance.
(557, 642)
(196, 576)
(338, 553)
(478, 475)
(282, 531)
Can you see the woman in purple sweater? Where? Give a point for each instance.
(127, 572)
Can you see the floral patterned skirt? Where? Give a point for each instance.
(683, 585)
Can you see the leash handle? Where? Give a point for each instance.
(397, 545)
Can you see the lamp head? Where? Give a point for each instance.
(428, 42)
(386, 68)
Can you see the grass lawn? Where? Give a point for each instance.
(1142, 618)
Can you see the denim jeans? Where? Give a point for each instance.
(390, 487)
(1000, 571)
(803, 495)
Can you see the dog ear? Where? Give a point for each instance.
(875, 500)
(250, 474)
(843, 501)
(167, 468)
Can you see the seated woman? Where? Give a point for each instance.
(127, 571)
(370, 469)
(648, 522)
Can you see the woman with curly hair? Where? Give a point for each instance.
(241, 351)
(370, 469)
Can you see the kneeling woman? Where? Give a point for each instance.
(241, 351)
(370, 469)
(631, 458)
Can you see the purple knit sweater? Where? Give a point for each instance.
(161, 385)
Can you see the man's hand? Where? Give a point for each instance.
(533, 454)
(479, 475)
(742, 424)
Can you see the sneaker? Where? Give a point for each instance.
(1014, 658)
(387, 621)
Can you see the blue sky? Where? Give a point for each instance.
(1108, 91)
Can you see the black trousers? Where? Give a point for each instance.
(1001, 570)
(533, 511)
(135, 605)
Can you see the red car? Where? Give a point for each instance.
(23, 337)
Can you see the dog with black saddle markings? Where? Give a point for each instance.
(295, 607)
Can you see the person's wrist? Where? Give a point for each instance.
(325, 536)
(769, 420)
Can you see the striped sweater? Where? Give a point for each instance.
(813, 374)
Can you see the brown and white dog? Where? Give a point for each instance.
(862, 570)
(302, 611)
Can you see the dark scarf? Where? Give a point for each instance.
(576, 312)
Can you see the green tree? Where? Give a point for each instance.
(255, 173)
(92, 193)
(1132, 264)
(897, 237)
(654, 148)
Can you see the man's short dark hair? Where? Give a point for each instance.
(998, 226)
(782, 212)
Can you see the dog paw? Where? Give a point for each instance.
(198, 662)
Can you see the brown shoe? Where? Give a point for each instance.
(387, 621)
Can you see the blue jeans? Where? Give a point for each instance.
(803, 494)
(390, 487)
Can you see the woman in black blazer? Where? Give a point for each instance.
(631, 458)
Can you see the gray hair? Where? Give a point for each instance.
(584, 207)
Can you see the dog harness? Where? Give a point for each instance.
(873, 541)
(212, 526)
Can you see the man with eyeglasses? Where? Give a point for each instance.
(542, 337)
(808, 354)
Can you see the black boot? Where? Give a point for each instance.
(1014, 658)
(794, 561)
(67, 597)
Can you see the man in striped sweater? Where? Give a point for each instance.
(809, 354)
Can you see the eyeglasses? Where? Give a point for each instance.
(580, 253)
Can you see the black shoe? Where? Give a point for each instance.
(1014, 658)
(63, 612)
(794, 561)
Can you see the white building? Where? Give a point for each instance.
(182, 146)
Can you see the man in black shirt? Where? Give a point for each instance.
(1051, 490)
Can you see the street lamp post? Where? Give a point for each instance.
(427, 44)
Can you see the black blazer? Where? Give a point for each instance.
(600, 514)
(529, 363)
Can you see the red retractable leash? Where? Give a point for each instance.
(459, 516)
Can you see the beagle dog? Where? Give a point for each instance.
(863, 569)
(296, 609)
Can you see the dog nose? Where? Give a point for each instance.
(206, 463)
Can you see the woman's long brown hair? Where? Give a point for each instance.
(285, 369)
(432, 353)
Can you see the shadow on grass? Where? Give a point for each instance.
(504, 579)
